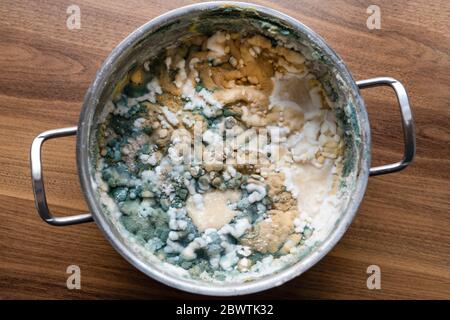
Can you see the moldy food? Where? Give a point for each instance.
(221, 157)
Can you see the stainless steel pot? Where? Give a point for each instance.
(163, 31)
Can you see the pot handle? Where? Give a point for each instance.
(409, 136)
(38, 180)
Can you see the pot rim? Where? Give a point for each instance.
(267, 282)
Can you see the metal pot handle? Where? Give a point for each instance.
(409, 136)
(38, 180)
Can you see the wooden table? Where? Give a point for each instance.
(403, 224)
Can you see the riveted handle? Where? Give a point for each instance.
(409, 136)
(38, 180)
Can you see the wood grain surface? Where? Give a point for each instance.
(403, 224)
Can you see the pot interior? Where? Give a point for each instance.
(149, 41)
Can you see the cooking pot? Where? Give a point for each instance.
(165, 30)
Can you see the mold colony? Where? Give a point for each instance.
(221, 157)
